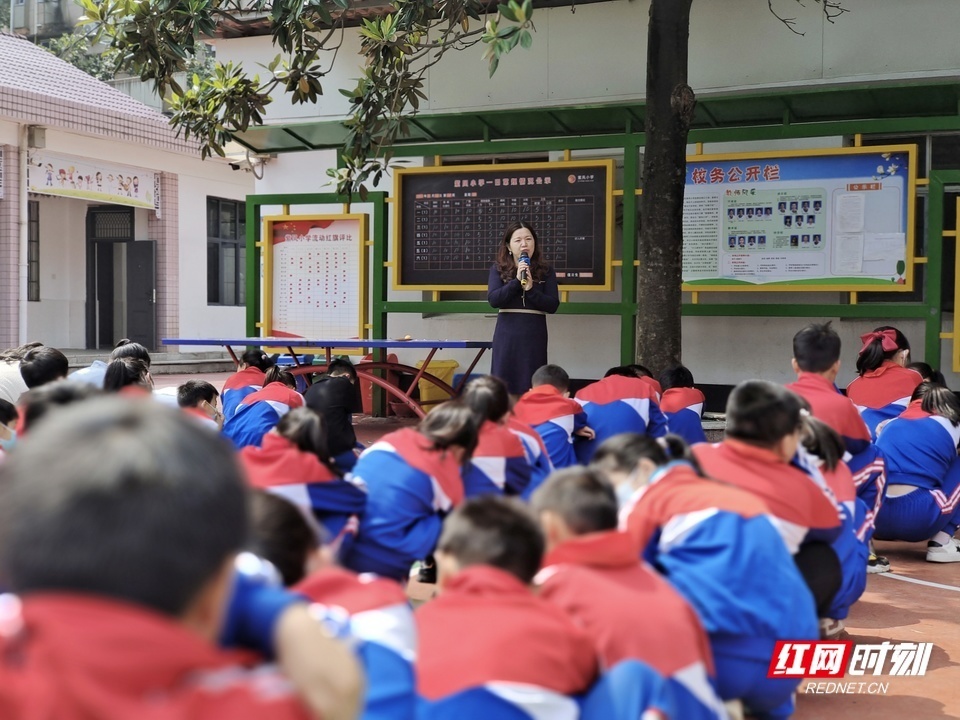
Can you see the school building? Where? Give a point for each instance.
(110, 225)
(885, 73)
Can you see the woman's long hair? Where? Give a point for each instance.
(506, 263)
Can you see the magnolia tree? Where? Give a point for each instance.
(158, 38)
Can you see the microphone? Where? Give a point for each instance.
(524, 258)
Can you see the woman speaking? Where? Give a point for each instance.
(524, 289)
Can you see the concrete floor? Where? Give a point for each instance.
(917, 602)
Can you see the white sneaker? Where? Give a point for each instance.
(943, 553)
(830, 628)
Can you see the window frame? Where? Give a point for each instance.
(226, 237)
(33, 251)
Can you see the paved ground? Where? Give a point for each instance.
(917, 602)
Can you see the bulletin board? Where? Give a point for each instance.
(314, 276)
(839, 219)
(450, 220)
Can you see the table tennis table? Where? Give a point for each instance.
(377, 372)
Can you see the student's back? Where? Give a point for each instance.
(618, 404)
(499, 463)
(259, 412)
(555, 418)
(683, 408)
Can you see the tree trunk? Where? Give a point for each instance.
(669, 111)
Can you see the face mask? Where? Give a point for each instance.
(625, 491)
(6, 444)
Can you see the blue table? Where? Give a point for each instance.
(367, 371)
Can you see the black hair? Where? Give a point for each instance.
(622, 452)
(581, 496)
(640, 370)
(40, 365)
(816, 348)
(340, 367)
(623, 371)
(8, 412)
(129, 501)
(552, 375)
(872, 356)
(193, 392)
(506, 263)
(17, 353)
(123, 372)
(255, 357)
(496, 531)
(38, 403)
(676, 376)
(278, 374)
(938, 400)
(449, 424)
(487, 396)
(305, 428)
(127, 348)
(281, 534)
(762, 413)
(822, 440)
(928, 373)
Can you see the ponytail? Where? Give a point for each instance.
(879, 345)
(821, 440)
(278, 374)
(938, 400)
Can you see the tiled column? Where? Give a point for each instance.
(9, 248)
(166, 232)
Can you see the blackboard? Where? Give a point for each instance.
(450, 221)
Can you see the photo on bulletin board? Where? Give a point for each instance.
(314, 276)
(833, 219)
(449, 222)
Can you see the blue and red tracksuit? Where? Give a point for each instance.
(862, 457)
(719, 546)
(599, 581)
(259, 413)
(238, 386)
(487, 631)
(683, 408)
(381, 617)
(411, 486)
(883, 394)
(920, 450)
(280, 467)
(536, 451)
(555, 418)
(499, 463)
(615, 405)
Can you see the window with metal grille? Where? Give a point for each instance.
(33, 251)
(226, 252)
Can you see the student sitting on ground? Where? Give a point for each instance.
(380, 615)
(642, 372)
(486, 629)
(594, 574)
(884, 386)
(120, 527)
(928, 373)
(29, 366)
(536, 451)
(413, 480)
(718, 545)
(816, 361)
(199, 399)
(259, 412)
(334, 396)
(499, 463)
(682, 404)
(619, 403)
(923, 471)
(249, 378)
(548, 409)
(294, 462)
(761, 455)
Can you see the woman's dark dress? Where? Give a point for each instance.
(520, 339)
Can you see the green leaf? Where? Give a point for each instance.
(526, 39)
(507, 12)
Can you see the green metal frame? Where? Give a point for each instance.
(631, 142)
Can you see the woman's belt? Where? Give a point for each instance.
(521, 310)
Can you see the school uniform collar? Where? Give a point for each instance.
(607, 549)
(885, 367)
(484, 581)
(751, 452)
(815, 379)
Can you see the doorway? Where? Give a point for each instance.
(121, 280)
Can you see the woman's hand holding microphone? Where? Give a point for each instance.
(523, 271)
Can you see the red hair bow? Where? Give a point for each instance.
(887, 338)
